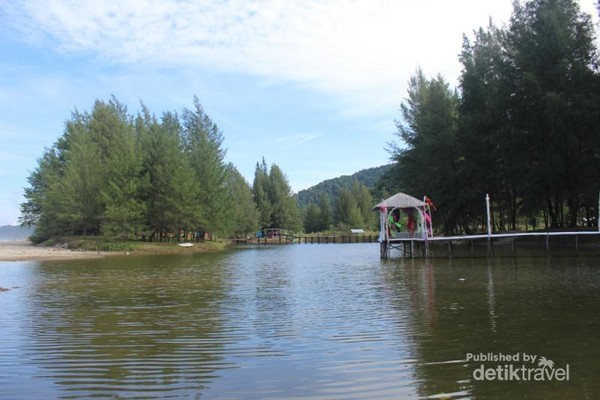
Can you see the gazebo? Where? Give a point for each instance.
(403, 218)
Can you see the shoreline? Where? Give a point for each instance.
(24, 250)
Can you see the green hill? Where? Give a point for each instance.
(331, 187)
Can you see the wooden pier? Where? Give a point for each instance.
(574, 243)
(406, 225)
(308, 239)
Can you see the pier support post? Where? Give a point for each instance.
(383, 249)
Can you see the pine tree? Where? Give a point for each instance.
(364, 203)
(73, 202)
(260, 193)
(284, 209)
(325, 212)
(203, 144)
(121, 152)
(274, 199)
(347, 212)
(312, 216)
(431, 161)
(172, 189)
(242, 214)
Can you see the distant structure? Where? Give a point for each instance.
(404, 219)
(405, 224)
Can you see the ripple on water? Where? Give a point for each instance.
(326, 322)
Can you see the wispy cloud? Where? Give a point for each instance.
(331, 45)
(290, 141)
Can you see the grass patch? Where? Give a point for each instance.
(90, 243)
(94, 243)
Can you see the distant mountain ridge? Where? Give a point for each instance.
(331, 187)
(14, 232)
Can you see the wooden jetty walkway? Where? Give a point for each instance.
(497, 244)
(405, 225)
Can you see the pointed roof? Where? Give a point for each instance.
(400, 200)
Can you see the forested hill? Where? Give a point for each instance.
(331, 187)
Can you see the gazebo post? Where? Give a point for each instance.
(383, 252)
(424, 229)
(383, 233)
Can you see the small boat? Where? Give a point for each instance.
(187, 244)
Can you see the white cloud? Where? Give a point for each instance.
(359, 52)
(334, 45)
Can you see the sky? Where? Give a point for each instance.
(314, 86)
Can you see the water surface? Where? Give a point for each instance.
(298, 321)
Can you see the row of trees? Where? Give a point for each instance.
(121, 175)
(523, 127)
(274, 198)
(351, 209)
(116, 174)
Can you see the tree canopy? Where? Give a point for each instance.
(274, 199)
(523, 127)
(116, 174)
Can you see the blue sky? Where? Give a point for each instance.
(313, 86)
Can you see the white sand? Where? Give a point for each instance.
(24, 250)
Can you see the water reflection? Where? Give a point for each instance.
(546, 307)
(321, 320)
(491, 296)
(326, 322)
(120, 328)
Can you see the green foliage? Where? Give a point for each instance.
(202, 142)
(312, 215)
(353, 207)
(325, 213)
(242, 214)
(318, 218)
(260, 192)
(430, 163)
(72, 198)
(274, 199)
(116, 175)
(331, 187)
(327, 195)
(525, 128)
(121, 167)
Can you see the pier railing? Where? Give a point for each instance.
(498, 244)
(310, 239)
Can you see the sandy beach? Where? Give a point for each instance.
(24, 250)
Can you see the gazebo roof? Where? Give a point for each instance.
(400, 200)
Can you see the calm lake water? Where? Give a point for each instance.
(301, 322)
